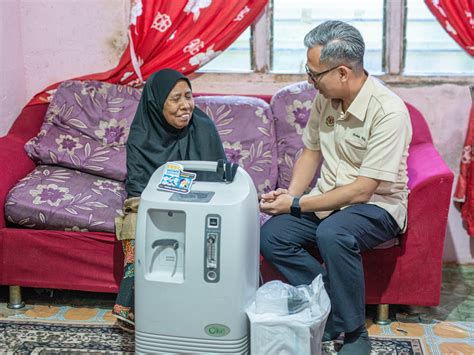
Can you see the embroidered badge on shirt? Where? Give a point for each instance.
(359, 136)
(330, 121)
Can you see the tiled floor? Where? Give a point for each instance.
(60, 305)
(446, 329)
(457, 295)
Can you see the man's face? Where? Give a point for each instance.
(179, 105)
(323, 78)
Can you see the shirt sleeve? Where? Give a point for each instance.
(311, 131)
(387, 147)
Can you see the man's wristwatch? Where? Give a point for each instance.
(295, 209)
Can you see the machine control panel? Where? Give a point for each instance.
(212, 241)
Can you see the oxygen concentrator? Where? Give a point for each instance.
(196, 267)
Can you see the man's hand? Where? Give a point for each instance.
(272, 195)
(276, 202)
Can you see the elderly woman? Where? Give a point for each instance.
(167, 127)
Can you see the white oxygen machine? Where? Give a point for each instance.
(197, 265)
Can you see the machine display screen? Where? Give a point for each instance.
(197, 196)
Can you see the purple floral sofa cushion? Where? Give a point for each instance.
(291, 107)
(53, 197)
(246, 128)
(86, 127)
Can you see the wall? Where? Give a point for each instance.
(61, 42)
(43, 41)
(12, 83)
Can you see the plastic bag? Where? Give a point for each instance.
(279, 298)
(288, 320)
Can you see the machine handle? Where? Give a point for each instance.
(225, 170)
(165, 243)
(198, 165)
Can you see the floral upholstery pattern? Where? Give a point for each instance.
(246, 128)
(81, 156)
(53, 197)
(291, 107)
(86, 128)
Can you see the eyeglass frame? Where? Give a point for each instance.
(315, 77)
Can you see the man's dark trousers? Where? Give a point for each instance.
(339, 238)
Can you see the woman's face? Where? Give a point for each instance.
(179, 105)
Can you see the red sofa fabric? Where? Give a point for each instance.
(61, 260)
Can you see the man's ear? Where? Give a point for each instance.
(343, 72)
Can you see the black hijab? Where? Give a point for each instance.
(153, 141)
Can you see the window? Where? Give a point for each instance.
(236, 58)
(401, 37)
(292, 19)
(429, 49)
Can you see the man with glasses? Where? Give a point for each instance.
(360, 130)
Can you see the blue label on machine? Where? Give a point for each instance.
(175, 179)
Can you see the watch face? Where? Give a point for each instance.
(295, 209)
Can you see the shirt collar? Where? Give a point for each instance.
(358, 107)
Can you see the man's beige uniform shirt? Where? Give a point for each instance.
(370, 139)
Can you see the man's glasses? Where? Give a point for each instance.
(315, 77)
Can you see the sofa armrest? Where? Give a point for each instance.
(430, 183)
(14, 165)
(425, 166)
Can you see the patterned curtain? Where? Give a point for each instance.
(464, 193)
(456, 18)
(182, 35)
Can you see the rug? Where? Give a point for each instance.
(26, 337)
(384, 345)
(96, 324)
(436, 337)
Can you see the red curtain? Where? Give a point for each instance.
(456, 17)
(182, 35)
(464, 193)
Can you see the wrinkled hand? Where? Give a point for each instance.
(276, 202)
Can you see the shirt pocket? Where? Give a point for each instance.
(354, 151)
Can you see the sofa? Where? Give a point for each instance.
(62, 171)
